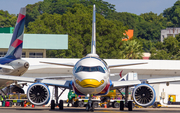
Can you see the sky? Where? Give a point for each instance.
(131, 6)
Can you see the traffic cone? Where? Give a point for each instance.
(24, 103)
(105, 105)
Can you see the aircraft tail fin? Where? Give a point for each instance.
(93, 43)
(15, 47)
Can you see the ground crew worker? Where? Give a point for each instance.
(169, 102)
(171, 99)
(1, 98)
(71, 96)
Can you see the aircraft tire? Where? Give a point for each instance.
(129, 105)
(61, 104)
(52, 104)
(121, 105)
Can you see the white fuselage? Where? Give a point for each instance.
(19, 68)
(91, 76)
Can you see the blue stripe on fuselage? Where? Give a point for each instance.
(4, 60)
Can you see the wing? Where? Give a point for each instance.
(62, 64)
(121, 65)
(60, 83)
(58, 77)
(163, 80)
(34, 67)
(122, 84)
(6, 66)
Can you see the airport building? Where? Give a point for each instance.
(169, 32)
(34, 45)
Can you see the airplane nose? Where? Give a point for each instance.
(89, 83)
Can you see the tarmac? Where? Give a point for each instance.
(37, 109)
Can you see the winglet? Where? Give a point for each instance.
(93, 43)
(15, 47)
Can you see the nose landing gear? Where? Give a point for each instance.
(90, 106)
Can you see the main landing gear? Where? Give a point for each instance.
(60, 104)
(129, 105)
(125, 103)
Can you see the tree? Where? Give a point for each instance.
(61, 6)
(148, 31)
(169, 49)
(6, 19)
(173, 15)
(77, 23)
(130, 49)
(146, 44)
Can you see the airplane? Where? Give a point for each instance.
(91, 76)
(11, 63)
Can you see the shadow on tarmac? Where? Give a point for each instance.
(98, 110)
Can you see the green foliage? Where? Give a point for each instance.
(131, 49)
(32, 12)
(128, 19)
(148, 31)
(146, 44)
(169, 49)
(146, 26)
(173, 14)
(7, 20)
(61, 6)
(77, 23)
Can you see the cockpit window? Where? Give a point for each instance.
(90, 69)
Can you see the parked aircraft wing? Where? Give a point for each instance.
(121, 65)
(163, 80)
(17, 78)
(58, 77)
(60, 83)
(122, 84)
(33, 67)
(6, 66)
(62, 64)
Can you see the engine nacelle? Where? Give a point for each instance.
(38, 94)
(144, 95)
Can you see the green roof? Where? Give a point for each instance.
(37, 41)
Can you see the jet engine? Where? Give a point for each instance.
(144, 95)
(38, 94)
